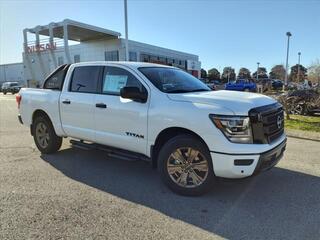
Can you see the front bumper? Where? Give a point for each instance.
(245, 165)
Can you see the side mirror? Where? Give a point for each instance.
(134, 93)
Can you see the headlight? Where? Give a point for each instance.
(236, 129)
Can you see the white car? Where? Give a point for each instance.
(160, 114)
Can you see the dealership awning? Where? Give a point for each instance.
(77, 31)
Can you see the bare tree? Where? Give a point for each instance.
(314, 72)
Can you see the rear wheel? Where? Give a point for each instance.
(185, 166)
(44, 135)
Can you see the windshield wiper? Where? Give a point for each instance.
(199, 90)
(187, 91)
(177, 91)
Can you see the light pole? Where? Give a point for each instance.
(299, 54)
(126, 29)
(286, 76)
(257, 70)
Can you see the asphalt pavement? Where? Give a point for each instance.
(78, 194)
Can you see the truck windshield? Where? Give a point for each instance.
(172, 80)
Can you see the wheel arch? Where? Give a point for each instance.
(37, 113)
(167, 134)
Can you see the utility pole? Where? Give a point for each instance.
(257, 71)
(5, 74)
(299, 54)
(126, 29)
(286, 76)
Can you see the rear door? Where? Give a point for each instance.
(119, 122)
(77, 102)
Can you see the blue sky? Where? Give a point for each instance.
(222, 33)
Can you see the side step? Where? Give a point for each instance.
(111, 151)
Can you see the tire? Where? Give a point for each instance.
(4, 93)
(182, 178)
(44, 135)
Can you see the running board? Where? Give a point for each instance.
(111, 151)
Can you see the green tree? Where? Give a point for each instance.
(277, 72)
(213, 74)
(294, 73)
(203, 73)
(244, 73)
(262, 73)
(228, 73)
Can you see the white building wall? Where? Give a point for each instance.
(159, 51)
(38, 65)
(13, 72)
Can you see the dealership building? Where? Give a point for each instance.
(70, 42)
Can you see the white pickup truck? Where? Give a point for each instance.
(160, 114)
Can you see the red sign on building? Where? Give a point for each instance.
(42, 47)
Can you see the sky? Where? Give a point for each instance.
(222, 33)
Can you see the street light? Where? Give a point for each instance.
(126, 29)
(257, 70)
(286, 76)
(299, 54)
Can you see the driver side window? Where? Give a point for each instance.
(115, 78)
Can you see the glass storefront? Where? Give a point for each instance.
(144, 57)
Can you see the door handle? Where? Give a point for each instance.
(101, 105)
(66, 101)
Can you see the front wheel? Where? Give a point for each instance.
(185, 166)
(44, 135)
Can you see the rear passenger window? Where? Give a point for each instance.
(85, 79)
(56, 79)
(115, 78)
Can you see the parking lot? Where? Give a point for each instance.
(77, 194)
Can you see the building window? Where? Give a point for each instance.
(133, 56)
(144, 58)
(76, 58)
(60, 60)
(170, 61)
(153, 59)
(111, 55)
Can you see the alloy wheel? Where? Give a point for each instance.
(42, 135)
(187, 167)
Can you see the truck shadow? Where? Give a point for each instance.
(278, 204)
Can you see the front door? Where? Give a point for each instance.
(119, 122)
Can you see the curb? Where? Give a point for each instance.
(303, 138)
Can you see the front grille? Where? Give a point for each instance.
(267, 123)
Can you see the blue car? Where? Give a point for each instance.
(241, 85)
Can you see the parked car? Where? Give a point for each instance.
(160, 114)
(277, 84)
(11, 87)
(266, 84)
(211, 86)
(241, 85)
(217, 82)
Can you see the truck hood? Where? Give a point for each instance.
(238, 102)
